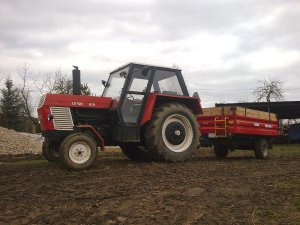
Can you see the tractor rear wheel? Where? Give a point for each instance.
(50, 151)
(173, 133)
(135, 152)
(221, 151)
(78, 151)
(261, 149)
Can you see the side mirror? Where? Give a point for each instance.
(123, 74)
(146, 70)
(104, 83)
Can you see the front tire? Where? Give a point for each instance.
(50, 151)
(261, 149)
(173, 133)
(78, 151)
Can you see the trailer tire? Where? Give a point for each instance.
(173, 133)
(221, 151)
(261, 149)
(50, 151)
(135, 152)
(78, 151)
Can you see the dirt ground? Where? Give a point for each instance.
(205, 190)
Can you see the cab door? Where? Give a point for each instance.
(137, 87)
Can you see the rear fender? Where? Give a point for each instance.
(155, 100)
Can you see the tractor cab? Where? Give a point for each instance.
(129, 86)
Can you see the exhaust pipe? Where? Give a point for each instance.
(76, 81)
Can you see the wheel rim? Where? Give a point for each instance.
(80, 152)
(177, 133)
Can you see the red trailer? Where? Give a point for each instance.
(229, 128)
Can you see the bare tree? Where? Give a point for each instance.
(62, 84)
(57, 82)
(85, 89)
(44, 84)
(269, 89)
(25, 91)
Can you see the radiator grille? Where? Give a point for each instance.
(62, 118)
(42, 101)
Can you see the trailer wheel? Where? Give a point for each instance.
(221, 151)
(50, 151)
(135, 152)
(78, 151)
(261, 149)
(173, 133)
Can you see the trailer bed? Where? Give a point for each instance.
(228, 121)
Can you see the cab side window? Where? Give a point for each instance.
(166, 82)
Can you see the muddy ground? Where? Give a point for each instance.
(236, 190)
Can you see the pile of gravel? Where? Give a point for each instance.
(14, 143)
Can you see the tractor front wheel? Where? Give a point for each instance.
(173, 133)
(78, 151)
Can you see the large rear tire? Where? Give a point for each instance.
(135, 152)
(221, 151)
(261, 149)
(173, 133)
(78, 151)
(50, 151)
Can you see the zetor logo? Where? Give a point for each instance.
(77, 103)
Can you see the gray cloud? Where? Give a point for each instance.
(49, 33)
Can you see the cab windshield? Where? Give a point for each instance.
(115, 84)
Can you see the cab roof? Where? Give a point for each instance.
(143, 64)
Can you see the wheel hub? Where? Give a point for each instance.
(175, 133)
(79, 152)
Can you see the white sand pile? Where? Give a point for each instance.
(13, 143)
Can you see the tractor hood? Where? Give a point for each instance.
(75, 101)
(54, 109)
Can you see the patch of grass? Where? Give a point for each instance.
(112, 149)
(296, 203)
(30, 162)
(291, 186)
(270, 213)
(290, 148)
(288, 184)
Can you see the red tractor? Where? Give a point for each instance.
(144, 109)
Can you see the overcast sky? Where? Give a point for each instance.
(222, 46)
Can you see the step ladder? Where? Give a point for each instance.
(221, 127)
